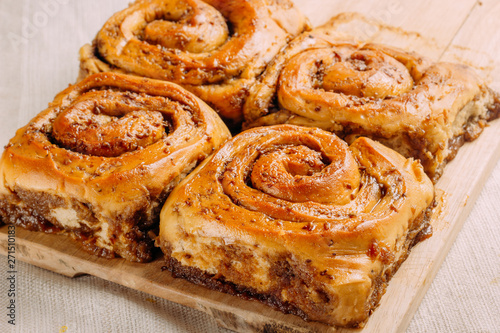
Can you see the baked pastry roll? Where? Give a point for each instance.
(213, 48)
(420, 108)
(101, 160)
(296, 218)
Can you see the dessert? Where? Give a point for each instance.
(297, 219)
(420, 108)
(99, 162)
(216, 49)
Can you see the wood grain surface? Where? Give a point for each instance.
(450, 31)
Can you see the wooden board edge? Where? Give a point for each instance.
(229, 311)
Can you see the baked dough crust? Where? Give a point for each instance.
(420, 108)
(209, 47)
(241, 222)
(101, 160)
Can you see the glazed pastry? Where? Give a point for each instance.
(213, 48)
(420, 108)
(296, 218)
(101, 160)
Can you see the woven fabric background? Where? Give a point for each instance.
(39, 42)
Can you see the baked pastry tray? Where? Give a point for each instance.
(457, 191)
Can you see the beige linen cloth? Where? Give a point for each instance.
(39, 42)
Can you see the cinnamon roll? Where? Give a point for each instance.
(99, 162)
(420, 108)
(296, 218)
(213, 48)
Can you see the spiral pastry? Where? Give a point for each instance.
(422, 109)
(294, 217)
(101, 160)
(213, 48)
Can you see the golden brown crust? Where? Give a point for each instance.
(213, 48)
(413, 105)
(100, 161)
(246, 216)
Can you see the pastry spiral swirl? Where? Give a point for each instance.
(213, 48)
(297, 218)
(420, 108)
(100, 161)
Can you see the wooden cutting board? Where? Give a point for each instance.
(451, 31)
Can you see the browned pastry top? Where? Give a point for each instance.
(378, 87)
(210, 47)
